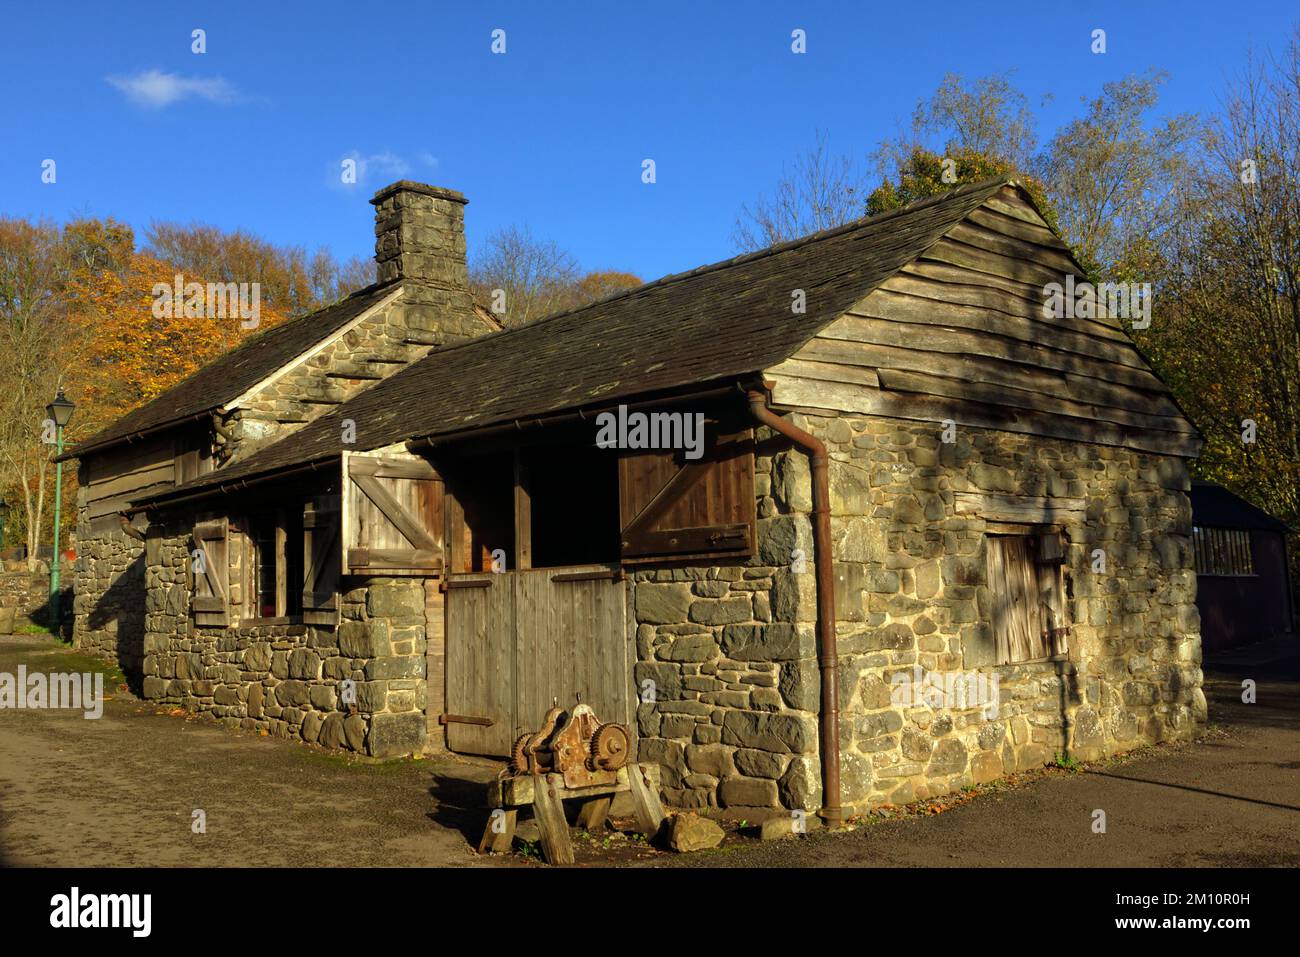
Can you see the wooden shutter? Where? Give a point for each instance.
(320, 565)
(1030, 617)
(671, 506)
(392, 515)
(211, 601)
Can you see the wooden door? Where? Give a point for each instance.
(480, 662)
(520, 642)
(572, 640)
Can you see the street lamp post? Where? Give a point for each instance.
(60, 410)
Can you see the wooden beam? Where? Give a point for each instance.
(523, 557)
(281, 565)
(1027, 509)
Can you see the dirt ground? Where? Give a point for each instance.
(121, 791)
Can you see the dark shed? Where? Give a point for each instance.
(1243, 583)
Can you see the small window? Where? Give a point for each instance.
(275, 552)
(1223, 551)
(1026, 582)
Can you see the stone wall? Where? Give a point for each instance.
(911, 591)
(287, 679)
(108, 599)
(730, 653)
(372, 350)
(28, 594)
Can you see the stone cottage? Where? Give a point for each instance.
(271, 385)
(851, 520)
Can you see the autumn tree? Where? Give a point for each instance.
(39, 346)
(292, 281)
(1114, 174)
(1225, 328)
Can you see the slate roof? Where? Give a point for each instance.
(718, 322)
(1214, 506)
(240, 369)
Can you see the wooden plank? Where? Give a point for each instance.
(982, 260)
(982, 237)
(391, 467)
(900, 307)
(594, 813)
(518, 791)
(999, 222)
(106, 465)
(281, 566)
(838, 372)
(120, 503)
(898, 381)
(996, 372)
(1031, 509)
(397, 559)
(979, 296)
(1009, 204)
(648, 808)
(480, 668)
(935, 409)
(435, 665)
(499, 834)
(395, 512)
(523, 502)
(942, 272)
(548, 810)
(923, 337)
(158, 473)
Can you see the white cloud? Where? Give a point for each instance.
(154, 89)
(371, 168)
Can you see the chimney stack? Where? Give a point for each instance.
(420, 240)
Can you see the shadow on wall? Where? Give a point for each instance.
(122, 606)
(42, 616)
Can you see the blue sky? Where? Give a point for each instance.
(552, 134)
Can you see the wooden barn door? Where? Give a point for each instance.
(571, 641)
(480, 663)
(520, 642)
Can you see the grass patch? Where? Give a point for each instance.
(63, 658)
(1066, 763)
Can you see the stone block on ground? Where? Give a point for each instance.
(689, 832)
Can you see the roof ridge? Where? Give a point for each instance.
(861, 222)
(90, 443)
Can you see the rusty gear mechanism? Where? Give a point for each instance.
(609, 747)
(575, 744)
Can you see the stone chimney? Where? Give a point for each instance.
(420, 240)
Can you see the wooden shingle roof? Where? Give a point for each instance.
(238, 370)
(718, 322)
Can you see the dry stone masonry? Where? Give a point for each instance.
(727, 655)
(291, 680)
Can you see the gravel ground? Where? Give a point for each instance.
(121, 791)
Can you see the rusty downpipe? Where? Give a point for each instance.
(827, 651)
